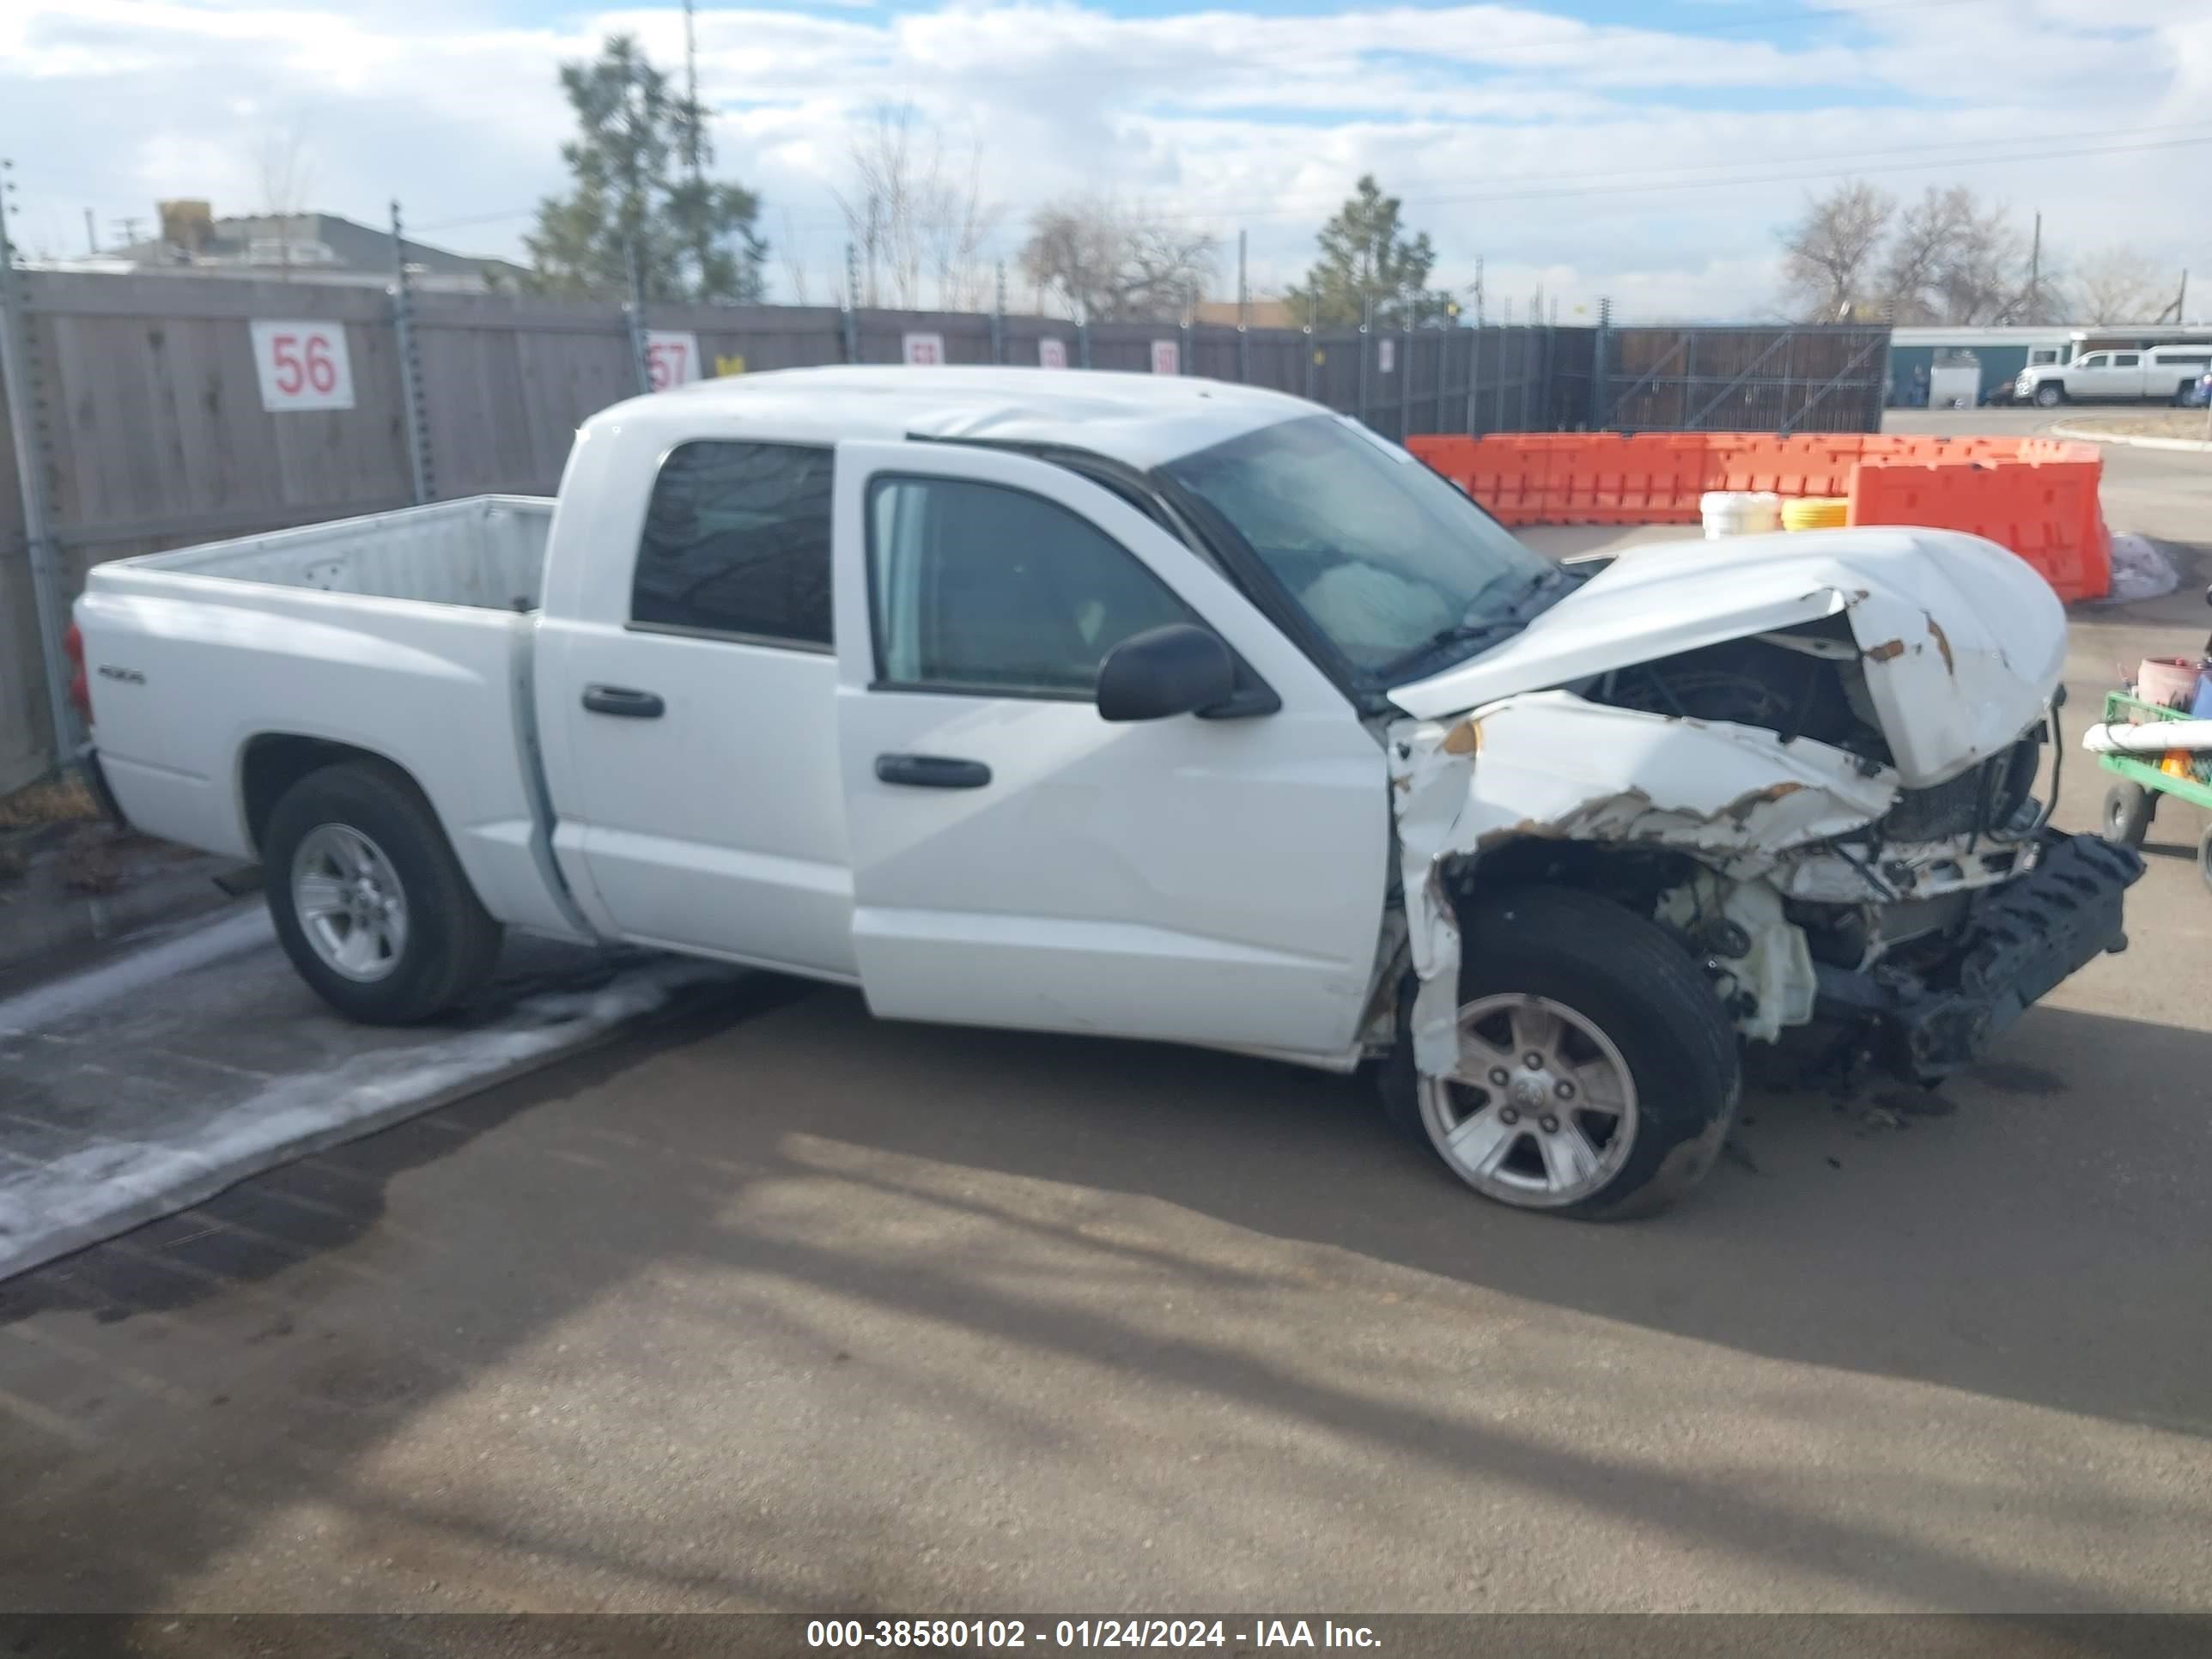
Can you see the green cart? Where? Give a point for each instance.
(2132, 802)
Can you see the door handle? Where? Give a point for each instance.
(932, 771)
(622, 700)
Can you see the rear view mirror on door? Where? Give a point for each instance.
(1176, 670)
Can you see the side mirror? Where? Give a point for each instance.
(1176, 670)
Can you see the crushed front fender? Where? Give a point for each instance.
(1553, 765)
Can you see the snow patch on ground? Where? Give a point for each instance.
(105, 1186)
(2139, 571)
(49, 1004)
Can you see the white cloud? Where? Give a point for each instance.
(1555, 150)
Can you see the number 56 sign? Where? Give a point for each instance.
(302, 365)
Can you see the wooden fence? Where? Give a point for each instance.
(150, 431)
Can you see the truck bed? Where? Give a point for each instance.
(487, 551)
(404, 635)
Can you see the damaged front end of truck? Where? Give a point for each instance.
(1812, 762)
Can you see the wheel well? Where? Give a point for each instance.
(276, 761)
(1633, 876)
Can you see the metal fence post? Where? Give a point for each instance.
(1183, 364)
(1083, 336)
(1601, 368)
(1406, 376)
(1366, 327)
(850, 321)
(38, 527)
(1528, 370)
(998, 318)
(1243, 317)
(410, 368)
(1313, 344)
(633, 320)
(1474, 381)
(1498, 389)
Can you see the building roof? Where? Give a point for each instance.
(315, 242)
(1141, 420)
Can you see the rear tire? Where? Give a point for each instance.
(2204, 859)
(2128, 809)
(1629, 1002)
(368, 900)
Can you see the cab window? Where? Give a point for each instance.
(737, 544)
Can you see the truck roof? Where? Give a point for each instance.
(1140, 420)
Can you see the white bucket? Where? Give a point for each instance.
(1740, 511)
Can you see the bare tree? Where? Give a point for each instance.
(1984, 275)
(1828, 255)
(910, 216)
(288, 179)
(1110, 263)
(1919, 252)
(2119, 285)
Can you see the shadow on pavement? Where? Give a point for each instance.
(784, 1176)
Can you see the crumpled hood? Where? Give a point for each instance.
(1963, 642)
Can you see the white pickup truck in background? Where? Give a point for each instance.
(2165, 374)
(1146, 707)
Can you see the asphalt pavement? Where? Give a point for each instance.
(781, 1307)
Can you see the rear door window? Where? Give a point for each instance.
(737, 545)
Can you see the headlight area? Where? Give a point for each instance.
(1925, 950)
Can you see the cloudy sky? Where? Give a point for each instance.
(1646, 149)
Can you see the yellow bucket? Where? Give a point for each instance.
(1815, 513)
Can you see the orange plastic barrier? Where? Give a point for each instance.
(2035, 495)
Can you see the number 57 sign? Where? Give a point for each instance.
(302, 365)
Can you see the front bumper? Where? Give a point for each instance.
(1929, 1020)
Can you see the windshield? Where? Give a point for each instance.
(1393, 565)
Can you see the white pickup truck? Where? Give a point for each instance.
(2165, 373)
(1144, 707)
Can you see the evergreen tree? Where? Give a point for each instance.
(1366, 255)
(634, 196)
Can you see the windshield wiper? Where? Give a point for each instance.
(1470, 628)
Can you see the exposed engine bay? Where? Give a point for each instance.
(1764, 798)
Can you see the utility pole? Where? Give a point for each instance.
(695, 142)
(1478, 290)
(2035, 274)
(91, 236)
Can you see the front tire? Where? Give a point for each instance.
(1598, 1070)
(2049, 396)
(368, 900)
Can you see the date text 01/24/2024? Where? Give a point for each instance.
(1084, 1633)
